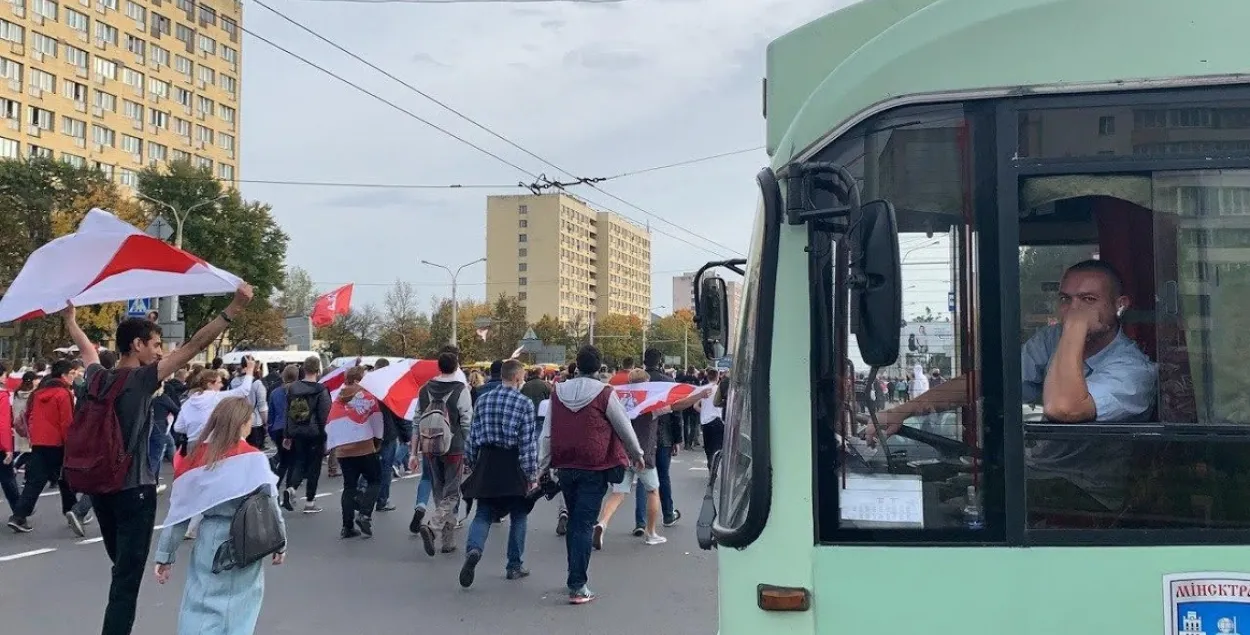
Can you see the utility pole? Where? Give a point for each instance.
(646, 324)
(170, 306)
(455, 315)
(685, 347)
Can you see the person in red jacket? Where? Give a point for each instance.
(8, 482)
(48, 416)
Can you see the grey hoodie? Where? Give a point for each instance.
(576, 394)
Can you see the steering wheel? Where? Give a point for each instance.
(947, 446)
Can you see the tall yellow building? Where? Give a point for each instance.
(120, 84)
(562, 258)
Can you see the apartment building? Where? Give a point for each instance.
(121, 84)
(562, 258)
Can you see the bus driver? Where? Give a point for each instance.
(1082, 370)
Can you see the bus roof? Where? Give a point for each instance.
(830, 73)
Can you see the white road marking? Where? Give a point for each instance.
(52, 493)
(25, 554)
(324, 494)
(698, 469)
(89, 541)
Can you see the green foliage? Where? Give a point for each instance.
(298, 293)
(239, 236)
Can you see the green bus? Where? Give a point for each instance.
(936, 168)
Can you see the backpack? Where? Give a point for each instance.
(97, 458)
(255, 532)
(300, 421)
(434, 429)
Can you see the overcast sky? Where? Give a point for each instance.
(597, 89)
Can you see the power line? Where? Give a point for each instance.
(683, 163)
(578, 180)
(463, 284)
(418, 118)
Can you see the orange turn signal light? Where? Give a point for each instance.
(782, 598)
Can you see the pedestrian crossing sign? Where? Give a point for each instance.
(138, 307)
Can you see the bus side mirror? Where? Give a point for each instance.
(713, 316)
(876, 284)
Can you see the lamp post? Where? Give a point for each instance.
(171, 307)
(646, 324)
(454, 309)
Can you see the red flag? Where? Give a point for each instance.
(331, 305)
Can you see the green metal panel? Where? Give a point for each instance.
(971, 591)
(1005, 45)
(821, 45)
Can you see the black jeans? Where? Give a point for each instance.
(355, 499)
(305, 463)
(44, 467)
(281, 461)
(8, 483)
(713, 439)
(126, 520)
(256, 438)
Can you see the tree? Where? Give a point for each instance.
(41, 199)
(508, 326)
(550, 331)
(472, 348)
(404, 329)
(298, 293)
(259, 326)
(677, 336)
(619, 336)
(239, 236)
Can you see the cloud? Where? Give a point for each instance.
(594, 88)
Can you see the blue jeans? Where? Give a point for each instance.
(425, 488)
(479, 530)
(583, 494)
(402, 452)
(387, 456)
(156, 450)
(663, 460)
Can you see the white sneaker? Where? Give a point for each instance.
(655, 539)
(161, 488)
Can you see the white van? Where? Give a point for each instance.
(365, 360)
(275, 360)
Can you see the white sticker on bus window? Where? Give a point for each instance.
(894, 501)
(1206, 604)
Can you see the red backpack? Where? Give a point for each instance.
(97, 458)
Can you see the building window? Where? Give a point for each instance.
(231, 28)
(204, 162)
(206, 75)
(159, 55)
(105, 101)
(158, 118)
(45, 8)
(104, 168)
(205, 135)
(179, 155)
(136, 12)
(182, 96)
(132, 145)
(204, 105)
(523, 209)
(1106, 126)
(39, 152)
(157, 153)
(105, 33)
(522, 252)
(135, 45)
(208, 17)
(10, 69)
(132, 110)
(225, 141)
(76, 57)
(522, 267)
(182, 127)
(226, 113)
(207, 44)
(225, 171)
(522, 280)
(523, 238)
(75, 91)
(158, 87)
(41, 118)
(43, 44)
(525, 223)
(74, 127)
(184, 33)
(129, 178)
(9, 148)
(12, 32)
(103, 136)
(522, 296)
(74, 160)
(229, 54)
(183, 65)
(132, 78)
(42, 81)
(77, 21)
(229, 84)
(106, 69)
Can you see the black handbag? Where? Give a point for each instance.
(255, 532)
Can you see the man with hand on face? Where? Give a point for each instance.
(1082, 370)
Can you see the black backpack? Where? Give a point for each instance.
(301, 415)
(255, 532)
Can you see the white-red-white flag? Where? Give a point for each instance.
(358, 419)
(399, 384)
(198, 487)
(641, 398)
(333, 380)
(332, 305)
(107, 260)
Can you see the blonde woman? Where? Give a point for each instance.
(212, 481)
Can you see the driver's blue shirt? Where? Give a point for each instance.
(1123, 383)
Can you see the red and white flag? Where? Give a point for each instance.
(198, 487)
(333, 380)
(332, 305)
(641, 398)
(399, 384)
(107, 260)
(359, 419)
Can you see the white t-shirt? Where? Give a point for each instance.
(707, 411)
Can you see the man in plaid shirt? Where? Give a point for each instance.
(502, 452)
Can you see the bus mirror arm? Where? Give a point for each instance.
(707, 513)
(804, 178)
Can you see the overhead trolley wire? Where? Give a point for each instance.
(538, 180)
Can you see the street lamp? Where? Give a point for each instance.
(180, 218)
(454, 275)
(646, 324)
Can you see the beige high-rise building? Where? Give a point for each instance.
(121, 84)
(562, 258)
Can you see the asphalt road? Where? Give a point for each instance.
(54, 583)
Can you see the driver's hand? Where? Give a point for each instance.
(890, 422)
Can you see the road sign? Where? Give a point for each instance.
(160, 228)
(138, 307)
